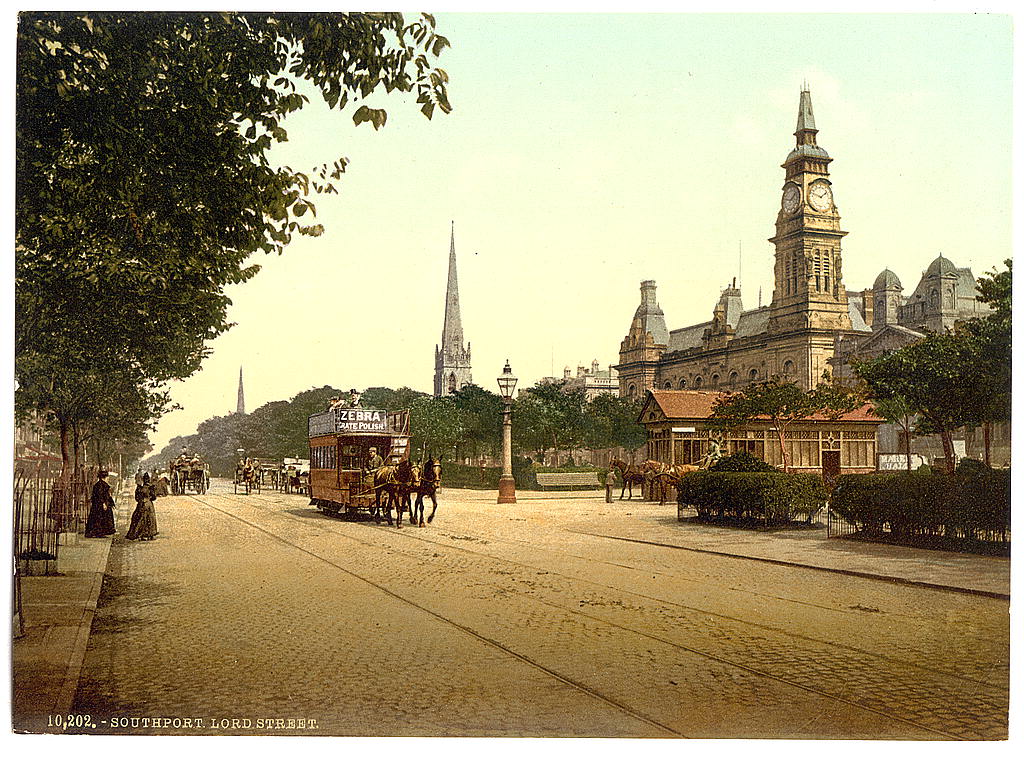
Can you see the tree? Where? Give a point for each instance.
(897, 410)
(935, 376)
(612, 422)
(480, 414)
(435, 425)
(390, 400)
(783, 403)
(989, 342)
(144, 178)
(549, 416)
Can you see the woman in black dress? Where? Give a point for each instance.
(101, 510)
(143, 524)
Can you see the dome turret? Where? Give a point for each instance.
(887, 280)
(941, 266)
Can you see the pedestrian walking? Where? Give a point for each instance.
(100, 522)
(143, 523)
(610, 480)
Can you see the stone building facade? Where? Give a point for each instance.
(812, 325)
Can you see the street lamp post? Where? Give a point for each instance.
(506, 484)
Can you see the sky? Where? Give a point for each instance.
(587, 152)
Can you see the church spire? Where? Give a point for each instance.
(452, 359)
(240, 408)
(452, 333)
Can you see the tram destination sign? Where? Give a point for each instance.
(348, 421)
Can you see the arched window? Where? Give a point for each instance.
(787, 368)
(452, 385)
(714, 380)
(697, 382)
(682, 384)
(668, 384)
(933, 298)
(632, 390)
(753, 375)
(734, 377)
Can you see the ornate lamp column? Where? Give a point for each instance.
(506, 484)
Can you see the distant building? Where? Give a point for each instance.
(591, 380)
(452, 369)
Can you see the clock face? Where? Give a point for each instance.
(790, 198)
(820, 196)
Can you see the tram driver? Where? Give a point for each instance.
(373, 461)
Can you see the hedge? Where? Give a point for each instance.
(525, 474)
(904, 504)
(767, 499)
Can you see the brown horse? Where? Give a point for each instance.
(630, 473)
(665, 475)
(384, 485)
(429, 482)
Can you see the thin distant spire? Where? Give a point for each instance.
(240, 407)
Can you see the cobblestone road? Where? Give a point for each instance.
(506, 621)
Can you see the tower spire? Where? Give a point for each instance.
(452, 332)
(805, 115)
(240, 408)
(452, 358)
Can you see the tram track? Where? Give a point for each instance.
(415, 534)
(592, 617)
(668, 730)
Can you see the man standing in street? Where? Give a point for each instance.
(610, 480)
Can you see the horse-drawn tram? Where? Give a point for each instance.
(344, 443)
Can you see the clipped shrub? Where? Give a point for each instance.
(525, 474)
(911, 504)
(743, 462)
(971, 466)
(761, 499)
(470, 477)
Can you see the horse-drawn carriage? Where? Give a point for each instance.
(359, 461)
(189, 475)
(269, 475)
(247, 477)
(294, 477)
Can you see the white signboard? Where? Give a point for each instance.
(361, 420)
(898, 461)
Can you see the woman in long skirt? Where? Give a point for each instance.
(143, 524)
(101, 511)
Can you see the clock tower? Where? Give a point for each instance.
(809, 292)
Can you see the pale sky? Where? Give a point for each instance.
(588, 152)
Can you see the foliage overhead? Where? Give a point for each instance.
(144, 179)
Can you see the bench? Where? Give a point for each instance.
(570, 479)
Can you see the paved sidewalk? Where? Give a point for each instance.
(658, 524)
(57, 612)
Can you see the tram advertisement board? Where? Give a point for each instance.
(349, 421)
(361, 420)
